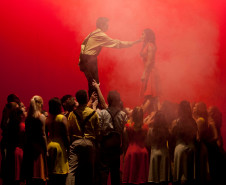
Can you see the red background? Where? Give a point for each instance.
(40, 44)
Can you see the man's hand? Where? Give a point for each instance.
(93, 97)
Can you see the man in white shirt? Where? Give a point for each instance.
(91, 48)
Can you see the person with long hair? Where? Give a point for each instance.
(217, 154)
(15, 142)
(36, 145)
(58, 143)
(201, 117)
(158, 137)
(148, 55)
(184, 134)
(214, 126)
(13, 101)
(135, 169)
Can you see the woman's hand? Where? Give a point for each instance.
(95, 84)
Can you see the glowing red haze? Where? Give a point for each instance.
(40, 44)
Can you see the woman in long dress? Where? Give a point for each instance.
(149, 77)
(184, 135)
(135, 169)
(158, 136)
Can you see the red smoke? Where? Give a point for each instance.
(40, 43)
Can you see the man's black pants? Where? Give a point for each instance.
(90, 70)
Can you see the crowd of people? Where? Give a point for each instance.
(88, 141)
(82, 140)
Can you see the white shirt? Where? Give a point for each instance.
(98, 39)
(106, 122)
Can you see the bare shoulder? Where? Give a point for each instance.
(42, 117)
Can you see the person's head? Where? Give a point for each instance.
(68, 102)
(128, 112)
(102, 23)
(200, 110)
(169, 109)
(12, 106)
(137, 116)
(54, 106)
(13, 98)
(16, 114)
(81, 97)
(184, 109)
(36, 105)
(159, 120)
(149, 35)
(23, 108)
(215, 114)
(114, 99)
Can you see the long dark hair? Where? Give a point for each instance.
(160, 133)
(216, 115)
(137, 116)
(184, 110)
(149, 36)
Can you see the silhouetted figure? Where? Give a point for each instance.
(15, 143)
(36, 144)
(201, 117)
(217, 155)
(13, 102)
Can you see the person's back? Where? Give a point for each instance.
(56, 128)
(112, 121)
(136, 152)
(83, 125)
(36, 144)
(77, 117)
(137, 136)
(184, 135)
(58, 143)
(158, 137)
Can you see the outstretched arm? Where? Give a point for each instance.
(115, 43)
(100, 95)
(91, 100)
